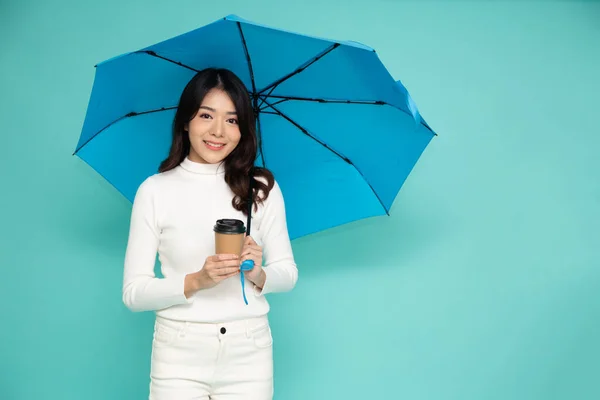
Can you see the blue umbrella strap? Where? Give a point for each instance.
(247, 265)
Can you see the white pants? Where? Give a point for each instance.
(228, 361)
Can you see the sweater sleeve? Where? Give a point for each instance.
(279, 264)
(142, 290)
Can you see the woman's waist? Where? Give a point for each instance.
(211, 325)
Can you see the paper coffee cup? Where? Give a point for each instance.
(229, 236)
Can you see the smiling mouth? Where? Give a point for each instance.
(214, 146)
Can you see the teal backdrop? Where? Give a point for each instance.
(483, 284)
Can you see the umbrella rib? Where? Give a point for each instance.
(346, 159)
(300, 69)
(248, 60)
(303, 130)
(318, 100)
(154, 54)
(269, 106)
(263, 97)
(131, 114)
(282, 99)
(253, 95)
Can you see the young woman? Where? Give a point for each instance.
(208, 343)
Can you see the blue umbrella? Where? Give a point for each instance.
(339, 133)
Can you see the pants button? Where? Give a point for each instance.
(223, 330)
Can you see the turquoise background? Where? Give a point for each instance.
(483, 284)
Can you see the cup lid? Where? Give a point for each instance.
(229, 226)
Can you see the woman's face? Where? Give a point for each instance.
(214, 131)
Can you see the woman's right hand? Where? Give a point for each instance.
(216, 269)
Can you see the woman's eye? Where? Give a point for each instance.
(233, 121)
(204, 116)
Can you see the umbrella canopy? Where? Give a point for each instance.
(339, 133)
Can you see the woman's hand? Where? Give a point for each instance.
(216, 269)
(252, 251)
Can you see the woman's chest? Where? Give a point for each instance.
(186, 226)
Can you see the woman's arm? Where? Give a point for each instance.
(142, 290)
(280, 270)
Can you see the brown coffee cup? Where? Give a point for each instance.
(229, 236)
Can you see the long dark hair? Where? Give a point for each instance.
(239, 165)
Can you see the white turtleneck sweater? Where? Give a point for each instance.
(173, 216)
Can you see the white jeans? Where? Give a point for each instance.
(228, 361)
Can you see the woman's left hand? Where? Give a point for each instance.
(252, 251)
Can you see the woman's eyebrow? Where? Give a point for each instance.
(213, 110)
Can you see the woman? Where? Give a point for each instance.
(208, 343)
